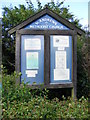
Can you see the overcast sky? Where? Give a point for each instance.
(78, 7)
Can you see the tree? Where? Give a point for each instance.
(12, 17)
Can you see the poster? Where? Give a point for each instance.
(60, 59)
(33, 44)
(31, 73)
(61, 74)
(32, 60)
(60, 41)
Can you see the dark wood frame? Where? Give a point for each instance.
(47, 34)
(73, 31)
(50, 13)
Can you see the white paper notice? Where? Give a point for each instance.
(60, 59)
(31, 73)
(33, 44)
(60, 41)
(61, 48)
(61, 74)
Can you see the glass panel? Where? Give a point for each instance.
(32, 58)
(61, 59)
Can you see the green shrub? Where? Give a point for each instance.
(23, 102)
(39, 107)
(82, 68)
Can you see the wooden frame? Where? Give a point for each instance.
(73, 31)
(74, 90)
(52, 14)
(47, 56)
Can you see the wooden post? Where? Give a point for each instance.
(17, 55)
(74, 89)
(46, 59)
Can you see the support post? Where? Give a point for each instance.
(17, 55)
(46, 59)
(74, 89)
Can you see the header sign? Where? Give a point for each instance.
(46, 22)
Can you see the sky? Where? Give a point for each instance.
(77, 7)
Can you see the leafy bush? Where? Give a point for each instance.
(23, 102)
(82, 68)
(39, 107)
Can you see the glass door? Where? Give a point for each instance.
(60, 59)
(32, 59)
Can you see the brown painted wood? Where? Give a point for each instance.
(51, 86)
(75, 64)
(50, 32)
(60, 32)
(52, 14)
(46, 59)
(32, 32)
(18, 55)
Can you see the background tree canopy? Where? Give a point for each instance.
(13, 16)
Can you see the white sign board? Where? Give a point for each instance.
(31, 73)
(60, 41)
(33, 44)
(61, 74)
(60, 60)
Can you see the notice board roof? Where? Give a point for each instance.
(50, 13)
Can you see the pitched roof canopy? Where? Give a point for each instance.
(50, 13)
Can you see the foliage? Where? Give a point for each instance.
(12, 17)
(82, 73)
(38, 108)
(22, 102)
